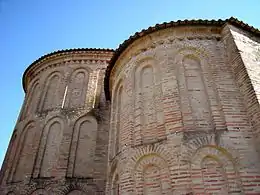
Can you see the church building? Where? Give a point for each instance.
(174, 110)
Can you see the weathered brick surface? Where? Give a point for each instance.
(59, 145)
(186, 125)
(183, 119)
(246, 65)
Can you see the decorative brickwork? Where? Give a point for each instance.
(31, 104)
(183, 117)
(77, 87)
(61, 139)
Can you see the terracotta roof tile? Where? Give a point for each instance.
(59, 53)
(131, 39)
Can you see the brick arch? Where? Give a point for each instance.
(32, 100)
(195, 91)
(199, 92)
(24, 155)
(152, 175)
(116, 116)
(113, 178)
(212, 169)
(132, 162)
(77, 87)
(43, 186)
(193, 141)
(138, 153)
(147, 159)
(10, 155)
(82, 146)
(226, 176)
(113, 168)
(53, 91)
(116, 76)
(120, 81)
(50, 142)
(115, 188)
(84, 189)
(147, 100)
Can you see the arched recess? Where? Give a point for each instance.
(8, 162)
(83, 146)
(152, 176)
(53, 91)
(212, 168)
(115, 186)
(117, 117)
(149, 116)
(50, 146)
(113, 179)
(77, 88)
(32, 100)
(213, 171)
(198, 97)
(198, 93)
(25, 153)
(78, 188)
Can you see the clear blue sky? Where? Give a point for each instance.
(32, 28)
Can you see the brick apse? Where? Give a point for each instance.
(174, 110)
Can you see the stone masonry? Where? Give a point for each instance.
(173, 111)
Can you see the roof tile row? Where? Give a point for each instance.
(137, 35)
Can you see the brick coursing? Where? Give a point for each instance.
(50, 153)
(183, 118)
(211, 131)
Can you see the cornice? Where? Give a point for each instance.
(122, 47)
(66, 52)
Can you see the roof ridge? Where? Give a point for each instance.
(71, 50)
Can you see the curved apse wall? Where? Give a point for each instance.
(58, 133)
(163, 94)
